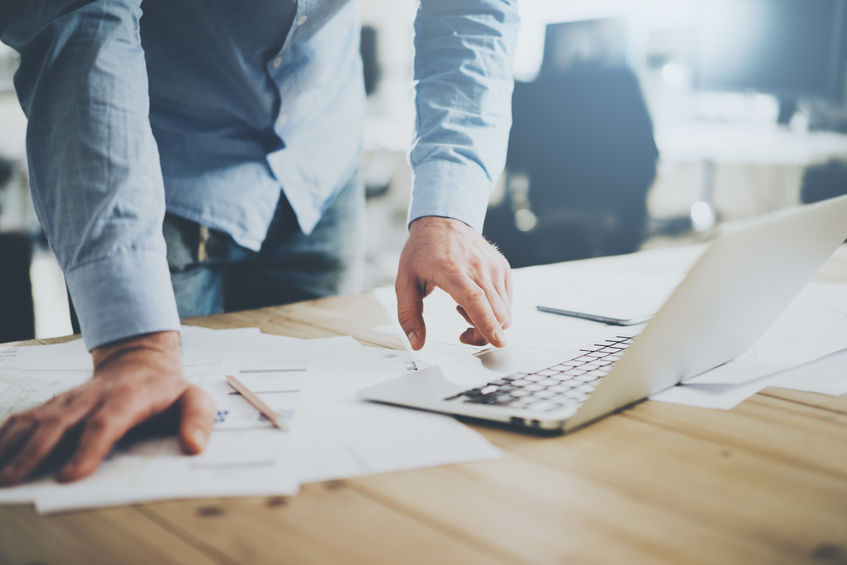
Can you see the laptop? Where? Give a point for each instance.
(731, 295)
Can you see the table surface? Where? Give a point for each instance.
(765, 482)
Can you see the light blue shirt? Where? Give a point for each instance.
(212, 109)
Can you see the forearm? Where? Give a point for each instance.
(463, 52)
(94, 170)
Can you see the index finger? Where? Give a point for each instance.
(473, 299)
(102, 430)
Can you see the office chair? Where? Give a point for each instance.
(17, 319)
(582, 139)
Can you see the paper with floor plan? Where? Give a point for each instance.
(237, 461)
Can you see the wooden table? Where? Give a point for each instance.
(763, 483)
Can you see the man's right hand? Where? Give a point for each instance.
(134, 381)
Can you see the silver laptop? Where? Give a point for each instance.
(743, 281)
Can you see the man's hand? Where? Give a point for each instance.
(446, 253)
(134, 380)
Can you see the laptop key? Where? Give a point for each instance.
(543, 406)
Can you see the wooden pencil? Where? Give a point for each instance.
(256, 402)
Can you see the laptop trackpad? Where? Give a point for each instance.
(436, 383)
(514, 359)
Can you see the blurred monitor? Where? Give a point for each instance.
(789, 48)
(602, 41)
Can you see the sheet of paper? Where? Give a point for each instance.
(530, 328)
(827, 375)
(243, 455)
(243, 464)
(342, 435)
(30, 376)
(630, 297)
(718, 395)
(812, 327)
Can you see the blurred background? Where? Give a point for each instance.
(637, 124)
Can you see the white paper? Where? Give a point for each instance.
(243, 454)
(241, 464)
(311, 382)
(827, 375)
(624, 298)
(813, 326)
(30, 376)
(345, 436)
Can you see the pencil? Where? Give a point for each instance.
(257, 402)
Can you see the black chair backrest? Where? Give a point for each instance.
(584, 139)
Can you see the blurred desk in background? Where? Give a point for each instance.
(732, 171)
(747, 145)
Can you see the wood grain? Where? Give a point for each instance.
(763, 483)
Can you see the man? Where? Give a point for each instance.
(243, 121)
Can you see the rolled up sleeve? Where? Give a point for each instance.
(93, 162)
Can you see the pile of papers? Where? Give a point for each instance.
(311, 383)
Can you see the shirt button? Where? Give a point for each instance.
(277, 62)
(302, 20)
(283, 118)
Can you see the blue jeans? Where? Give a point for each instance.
(210, 273)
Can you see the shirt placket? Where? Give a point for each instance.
(301, 16)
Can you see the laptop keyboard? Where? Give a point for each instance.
(562, 385)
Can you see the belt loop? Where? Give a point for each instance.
(201, 244)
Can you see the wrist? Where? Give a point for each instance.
(163, 345)
(434, 222)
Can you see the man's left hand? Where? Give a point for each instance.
(449, 254)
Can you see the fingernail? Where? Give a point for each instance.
(498, 337)
(413, 337)
(199, 437)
